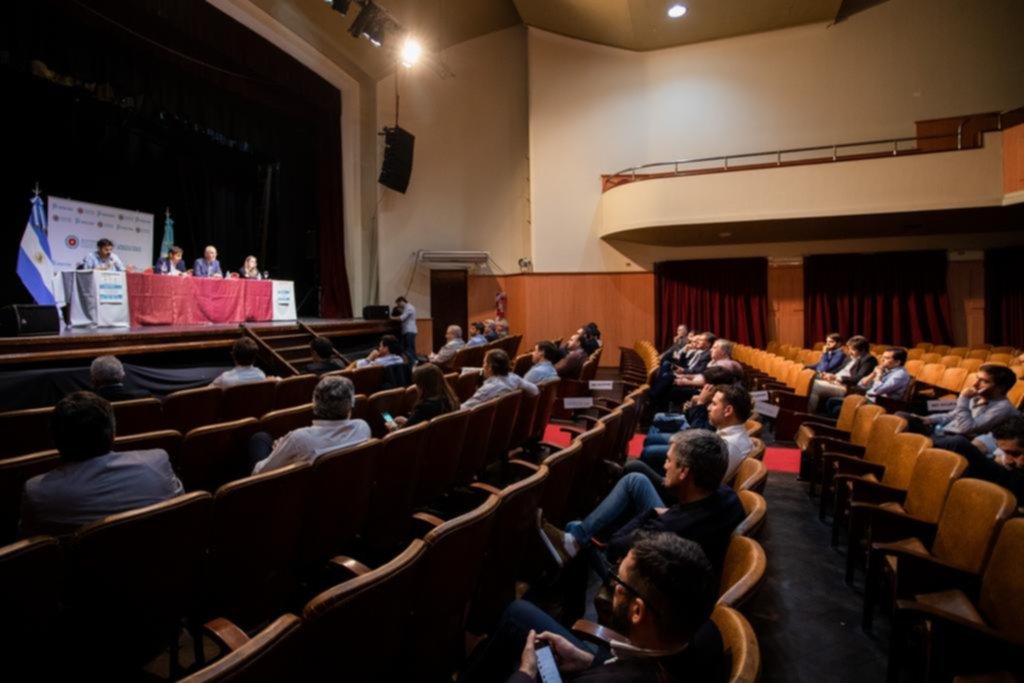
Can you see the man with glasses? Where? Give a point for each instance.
(664, 591)
(1006, 467)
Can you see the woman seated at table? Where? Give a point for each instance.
(436, 397)
(249, 270)
(172, 264)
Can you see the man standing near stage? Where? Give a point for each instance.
(405, 312)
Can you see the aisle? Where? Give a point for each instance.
(807, 620)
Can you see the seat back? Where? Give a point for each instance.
(751, 475)
(216, 454)
(1002, 597)
(474, 445)
(522, 363)
(525, 417)
(294, 391)
(562, 466)
(339, 501)
(366, 380)
(618, 452)
(145, 568)
(254, 542)
(972, 365)
(439, 464)
(902, 457)
(360, 407)
(979, 354)
(138, 416)
(466, 385)
(412, 396)
(753, 427)
(863, 422)
(882, 441)
(953, 379)
(14, 472)
(1016, 395)
(804, 382)
(273, 654)
(190, 408)
(389, 401)
(951, 361)
(943, 349)
(584, 491)
(31, 586)
(394, 482)
(932, 371)
(279, 422)
(253, 399)
(379, 603)
(447, 581)
(847, 414)
(914, 366)
(545, 406)
(970, 521)
(934, 473)
(757, 510)
(26, 431)
(743, 571)
(504, 422)
(758, 451)
(740, 644)
(515, 526)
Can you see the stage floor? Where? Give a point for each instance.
(84, 342)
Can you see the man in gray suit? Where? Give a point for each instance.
(92, 481)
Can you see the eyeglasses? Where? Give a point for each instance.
(614, 578)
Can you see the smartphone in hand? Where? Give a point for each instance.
(387, 417)
(546, 666)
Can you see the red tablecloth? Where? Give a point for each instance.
(164, 300)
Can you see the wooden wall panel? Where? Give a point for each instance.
(786, 303)
(1013, 159)
(966, 285)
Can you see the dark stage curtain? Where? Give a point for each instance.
(890, 298)
(728, 297)
(156, 103)
(1004, 297)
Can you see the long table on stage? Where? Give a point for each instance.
(164, 300)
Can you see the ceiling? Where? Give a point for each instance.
(630, 24)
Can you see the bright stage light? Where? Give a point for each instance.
(411, 52)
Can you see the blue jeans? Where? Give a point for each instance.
(654, 456)
(409, 345)
(633, 494)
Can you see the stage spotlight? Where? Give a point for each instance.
(411, 52)
(340, 6)
(370, 24)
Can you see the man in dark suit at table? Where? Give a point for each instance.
(172, 264)
(208, 266)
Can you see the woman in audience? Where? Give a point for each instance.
(436, 397)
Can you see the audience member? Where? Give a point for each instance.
(545, 355)
(324, 359)
(570, 365)
(436, 397)
(388, 352)
(498, 379)
(501, 328)
(332, 430)
(244, 354)
(1006, 467)
(478, 338)
(453, 335)
(663, 592)
(406, 312)
(832, 357)
(859, 364)
(664, 391)
(721, 357)
(103, 258)
(172, 264)
(490, 330)
(107, 376)
(679, 343)
(888, 380)
(208, 266)
(92, 481)
(590, 338)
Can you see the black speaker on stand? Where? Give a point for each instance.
(25, 319)
(397, 166)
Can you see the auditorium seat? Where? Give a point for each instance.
(379, 602)
(932, 358)
(980, 354)
(970, 521)
(388, 401)
(743, 571)
(522, 363)
(133, 578)
(562, 467)
(447, 580)
(216, 454)
(751, 475)
(294, 391)
(26, 431)
(524, 420)
(393, 494)
(792, 401)
(759, 449)
(14, 472)
(138, 416)
(945, 350)
(366, 380)
(584, 491)
(466, 385)
(439, 463)
(31, 591)
(951, 361)
(474, 448)
(894, 471)
(814, 429)
(276, 653)
(914, 367)
(756, 510)
(971, 365)
(914, 354)
(740, 643)
(860, 429)
(190, 408)
(412, 396)
(858, 459)
(979, 634)
(360, 407)
(255, 532)
(248, 400)
(515, 528)
(877, 510)
(167, 440)
(279, 422)
(505, 415)
(753, 427)
(545, 404)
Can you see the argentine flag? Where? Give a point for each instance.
(168, 241)
(35, 265)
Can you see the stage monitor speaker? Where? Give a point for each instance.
(376, 312)
(26, 319)
(397, 166)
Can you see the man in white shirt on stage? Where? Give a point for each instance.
(103, 258)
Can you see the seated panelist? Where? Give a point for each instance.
(208, 266)
(172, 264)
(250, 269)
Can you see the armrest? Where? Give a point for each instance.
(824, 431)
(891, 525)
(486, 488)
(813, 420)
(834, 447)
(788, 401)
(525, 465)
(866, 491)
(918, 573)
(595, 633)
(912, 608)
(350, 565)
(223, 632)
(855, 468)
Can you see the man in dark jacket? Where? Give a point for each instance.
(107, 377)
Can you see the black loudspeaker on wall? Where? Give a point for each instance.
(397, 166)
(23, 319)
(376, 312)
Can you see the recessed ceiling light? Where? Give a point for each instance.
(676, 11)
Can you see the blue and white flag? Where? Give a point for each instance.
(168, 242)
(35, 265)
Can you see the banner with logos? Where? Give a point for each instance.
(284, 300)
(75, 227)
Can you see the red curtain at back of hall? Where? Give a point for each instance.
(728, 297)
(1004, 297)
(890, 298)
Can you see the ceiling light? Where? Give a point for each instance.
(676, 11)
(411, 52)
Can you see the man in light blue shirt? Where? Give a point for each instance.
(407, 314)
(499, 380)
(244, 354)
(478, 338)
(208, 266)
(545, 355)
(388, 352)
(103, 258)
(890, 379)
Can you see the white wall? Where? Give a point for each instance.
(469, 184)
(597, 110)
